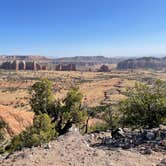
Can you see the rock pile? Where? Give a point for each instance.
(144, 140)
(162, 162)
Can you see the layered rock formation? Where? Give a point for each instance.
(143, 63)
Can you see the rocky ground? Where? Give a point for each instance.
(75, 150)
(144, 141)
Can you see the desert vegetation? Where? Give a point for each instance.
(94, 102)
(144, 106)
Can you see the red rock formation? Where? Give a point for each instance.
(66, 67)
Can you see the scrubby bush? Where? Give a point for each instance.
(2, 126)
(145, 105)
(111, 116)
(42, 131)
(3, 141)
(98, 127)
(95, 112)
(41, 97)
(62, 113)
(70, 111)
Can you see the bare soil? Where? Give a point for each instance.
(72, 149)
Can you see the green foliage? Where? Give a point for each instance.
(2, 126)
(63, 113)
(72, 106)
(145, 106)
(3, 140)
(111, 116)
(42, 131)
(69, 111)
(41, 99)
(98, 127)
(99, 112)
(51, 117)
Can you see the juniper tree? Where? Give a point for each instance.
(145, 105)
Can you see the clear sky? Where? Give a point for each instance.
(83, 27)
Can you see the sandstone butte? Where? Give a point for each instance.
(16, 121)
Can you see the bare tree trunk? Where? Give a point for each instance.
(86, 126)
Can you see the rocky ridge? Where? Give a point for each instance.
(145, 141)
(77, 150)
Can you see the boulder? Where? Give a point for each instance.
(162, 162)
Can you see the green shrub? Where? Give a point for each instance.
(111, 117)
(62, 113)
(3, 139)
(98, 127)
(145, 106)
(70, 111)
(2, 126)
(41, 132)
(41, 99)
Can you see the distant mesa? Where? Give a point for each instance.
(30, 62)
(22, 65)
(143, 63)
(33, 63)
(88, 60)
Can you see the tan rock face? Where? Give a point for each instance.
(16, 121)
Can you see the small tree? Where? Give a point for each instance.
(3, 140)
(145, 106)
(2, 126)
(41, 100)
(111, 116)
(69, 111)
(95, 112)
(42, 131)
(62, 113)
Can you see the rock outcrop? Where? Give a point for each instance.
(73, 149)
(144, 141)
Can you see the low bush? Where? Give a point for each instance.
(145, 106)
(42, 131)
(98, 127)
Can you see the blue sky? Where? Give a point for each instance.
(83, 27)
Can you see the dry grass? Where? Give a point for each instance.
(14, 85)
(16, 120)
(14, 89)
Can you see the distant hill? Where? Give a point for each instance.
(144, 62)
(66, 60)
(22, 57)
(91, 60)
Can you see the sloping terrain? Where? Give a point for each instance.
(16, 120)
(72, 149)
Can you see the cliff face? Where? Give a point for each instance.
(145, 63)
